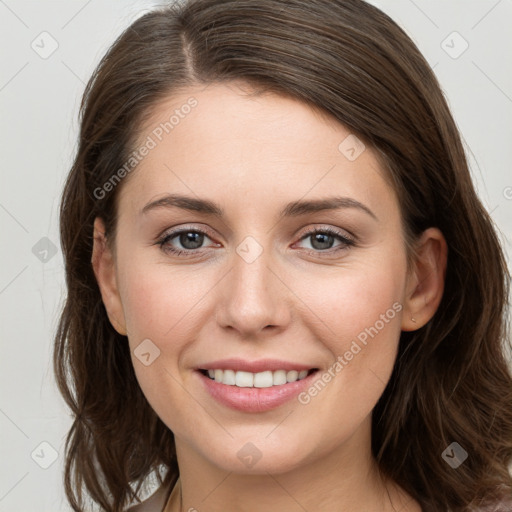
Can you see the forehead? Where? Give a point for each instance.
(223, 140)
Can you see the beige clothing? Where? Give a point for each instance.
(155, 503)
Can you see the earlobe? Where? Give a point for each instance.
(425, 284)
(105, 271)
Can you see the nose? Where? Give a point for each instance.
(253, 298)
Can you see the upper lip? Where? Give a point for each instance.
(260, 365)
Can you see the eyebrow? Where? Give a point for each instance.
(293, 209)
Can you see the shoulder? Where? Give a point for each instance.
(155, 503)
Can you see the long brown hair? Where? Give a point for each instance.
(450, 383)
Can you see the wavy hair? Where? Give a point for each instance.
(451, 381)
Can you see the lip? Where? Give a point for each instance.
(254, 400)
(261, 365)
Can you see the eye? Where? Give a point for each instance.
(188, 241)
(322, 240)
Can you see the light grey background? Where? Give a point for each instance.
(39, 99)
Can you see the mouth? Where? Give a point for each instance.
(264, 379)
(254, 387)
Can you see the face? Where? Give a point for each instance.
(283, 256)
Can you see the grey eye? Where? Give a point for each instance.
(190, 239)
(321, 241)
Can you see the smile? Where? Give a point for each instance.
(265, 379)
(254, 386)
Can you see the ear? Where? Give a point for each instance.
(425, 284)
(103, 263)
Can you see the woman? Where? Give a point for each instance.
(283, 290)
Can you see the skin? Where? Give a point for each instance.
(252, 155)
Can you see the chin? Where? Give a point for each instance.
(258, 455)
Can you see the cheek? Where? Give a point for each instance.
(159, 301)
(351, 300)
(163, 304)
(360, 313)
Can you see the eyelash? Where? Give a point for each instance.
(346, 241)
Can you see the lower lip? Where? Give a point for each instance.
(255, 399)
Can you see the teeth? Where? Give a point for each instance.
(229, 377)
(242, 379)
(257, 380)
(292, 376)
(279, 377)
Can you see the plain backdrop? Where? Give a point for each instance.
(49, 49)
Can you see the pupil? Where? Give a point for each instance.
(191, 240)
(322, 241)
